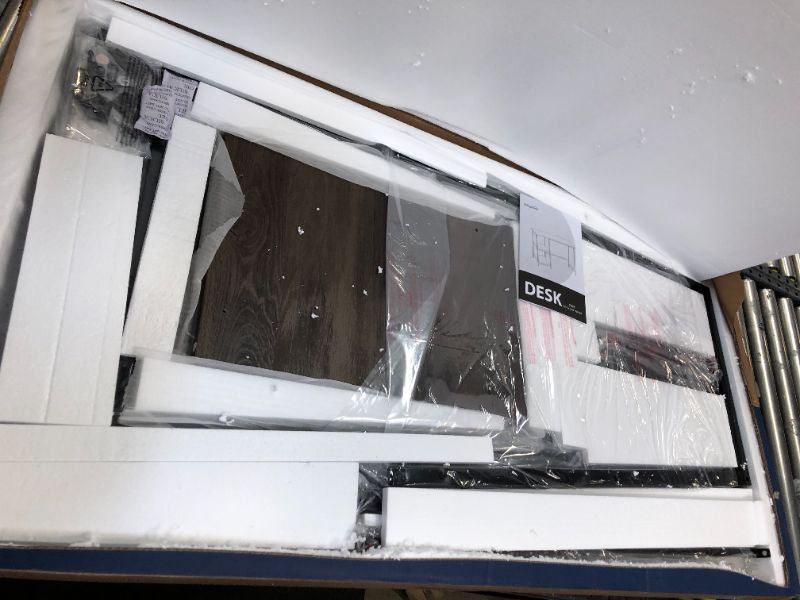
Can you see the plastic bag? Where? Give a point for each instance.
(104, 85)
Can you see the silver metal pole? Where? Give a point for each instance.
(784, 383)
(772, 417)
(787, 267)
(791, 337)
(797, 313)
(773, 264)
(9, 17)
(796, 263)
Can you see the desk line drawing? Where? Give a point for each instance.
(546, 247)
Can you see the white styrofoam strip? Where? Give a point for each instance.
(172, 390)
(158, 291)
(700, 493)
(290, 505)
(54, 443)
(224, 111)
(540, 520)
(62, 350)
(754, 460)
(227, 69)
(624, 419)
(89, 347)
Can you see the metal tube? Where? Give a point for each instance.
(787, 267)
(784, 383)
(772, 417)
(796, 263)
(797, 313)
(772, 265)
(8, 21)
(791, 337)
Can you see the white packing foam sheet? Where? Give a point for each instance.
(167, 503)
(624, 419)
(620, 294)
(227, 112)
(54, 443)
(172, 46)
(541, 520)
(630, 297)
(659, 113)
(200, 391)
(224, 68)
(62, 350)
(160, 284)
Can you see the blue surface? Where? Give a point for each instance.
(480, 573)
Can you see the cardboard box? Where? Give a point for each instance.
(504, 574)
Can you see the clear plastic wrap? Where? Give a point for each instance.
(104, 85)
(636, 389)
(635, 397)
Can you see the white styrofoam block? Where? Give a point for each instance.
(172, 390)
(62, 350)
(541, 520)
(542, 396)
(54, 443)
(248, 120)
(627, 296)
(157, 299)
(89, 348)
(751, 444)
(162, 503)
(194, 56)
(624, 419)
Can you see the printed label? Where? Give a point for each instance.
(157, 112)
(183, 88)
(551, 259)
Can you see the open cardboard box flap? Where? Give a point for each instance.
(684, 185)
(676, 121)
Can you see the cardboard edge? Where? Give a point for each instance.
(730, 291)
(8, 59)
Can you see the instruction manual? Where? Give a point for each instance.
(551, 259)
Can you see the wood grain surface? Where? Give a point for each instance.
(299, 286)
(296, 286)
(474, 358)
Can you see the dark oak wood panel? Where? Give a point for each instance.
(295, 285)
(474, 357)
